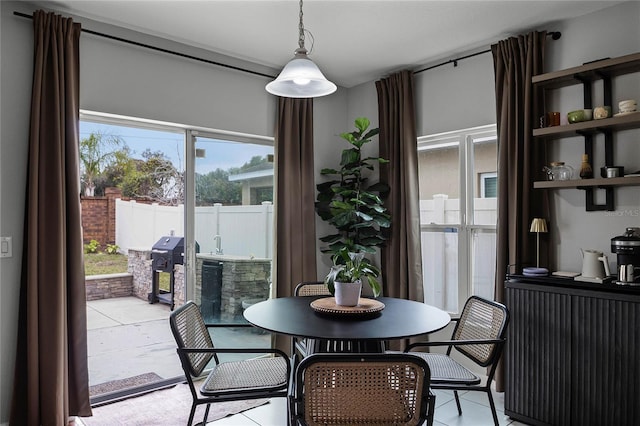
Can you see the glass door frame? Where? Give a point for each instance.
(191, 135)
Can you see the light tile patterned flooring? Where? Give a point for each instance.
(475, 412)
(106, 314)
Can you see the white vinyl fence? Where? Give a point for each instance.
(441, 251)
(248, 231)
(244, 230)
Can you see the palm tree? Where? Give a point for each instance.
(96, 152)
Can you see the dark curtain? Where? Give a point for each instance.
(520, 159)
(295, 198)
(401, 261)
(51, 380)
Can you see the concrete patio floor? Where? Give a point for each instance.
(128, 337)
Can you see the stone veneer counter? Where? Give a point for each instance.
(244, 279)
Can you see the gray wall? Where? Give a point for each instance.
(122, 79)
(131, 81)
(450, 98)
(572, 227)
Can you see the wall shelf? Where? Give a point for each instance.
(605, 70)
(591, 71)
(588, 183)
(624, 122)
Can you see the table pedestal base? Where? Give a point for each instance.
(315, 346)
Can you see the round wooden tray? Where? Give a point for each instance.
(327, 305)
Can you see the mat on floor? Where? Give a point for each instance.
(129, 382)
(168, 407)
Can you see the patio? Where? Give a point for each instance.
(129, 337)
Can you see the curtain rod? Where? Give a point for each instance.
(160, 49)
(555, 35)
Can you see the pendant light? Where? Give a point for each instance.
(301, 78)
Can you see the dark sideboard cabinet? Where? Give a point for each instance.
(573, 353)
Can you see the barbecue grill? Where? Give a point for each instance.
(167, 252)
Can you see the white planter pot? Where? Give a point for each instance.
(347, 294)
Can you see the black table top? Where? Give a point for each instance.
(294, 316)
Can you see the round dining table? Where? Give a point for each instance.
(398, 319)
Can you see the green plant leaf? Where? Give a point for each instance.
(348, 136)
(383, 222)
(331, 238)
(375, 286)
(349, 156)
(329, 172)
(364, 216)
(371, 133)
(362, 123)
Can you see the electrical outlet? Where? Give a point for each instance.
(6, 247)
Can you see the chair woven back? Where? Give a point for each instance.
(481, 319)
(381, 389)
(190, 332)
(311, 288)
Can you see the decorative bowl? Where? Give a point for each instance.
(601, 112)
(576, 116)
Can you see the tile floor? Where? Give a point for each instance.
(475, 412)
(117, 321)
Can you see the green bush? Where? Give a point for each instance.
(92, 247)
(112, 249)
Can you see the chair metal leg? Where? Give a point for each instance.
(431, 409)
(206, 414)
(455, 394)
(493, 408)
(192, 413)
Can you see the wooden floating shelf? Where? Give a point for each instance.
(589, 72)
(588, 183)
(622, 122)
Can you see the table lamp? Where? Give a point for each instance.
(538, 225)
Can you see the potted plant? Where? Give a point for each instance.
(356, 210)
(347, 201)
(344, 280)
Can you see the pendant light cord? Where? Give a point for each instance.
(301, 29)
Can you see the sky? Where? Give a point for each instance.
(218, 153)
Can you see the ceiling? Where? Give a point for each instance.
(355, 41)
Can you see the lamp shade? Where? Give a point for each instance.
(538, 225)
(301, 78)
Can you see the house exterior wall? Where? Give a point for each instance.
(439, 170)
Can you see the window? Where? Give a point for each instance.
(458, 212)
(488, 185)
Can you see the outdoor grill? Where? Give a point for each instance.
(167, 252)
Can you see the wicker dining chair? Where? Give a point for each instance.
(363, 389)
(307, 288)
(261, 377)
(479, 335)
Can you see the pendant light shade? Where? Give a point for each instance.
(301, 78)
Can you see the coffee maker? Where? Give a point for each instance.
(627, 248)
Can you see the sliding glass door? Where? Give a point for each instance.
(233, 222)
